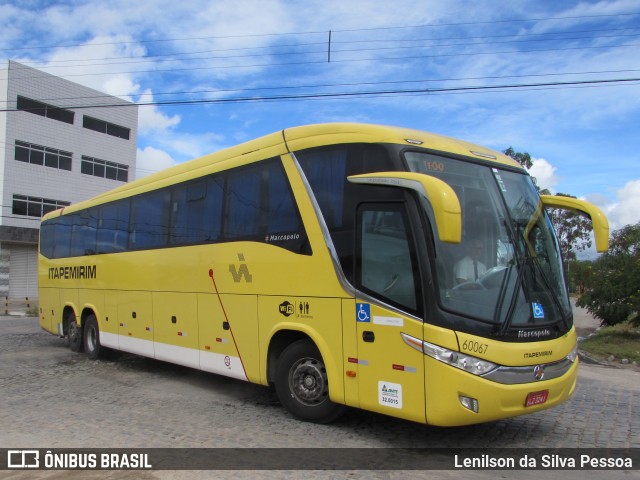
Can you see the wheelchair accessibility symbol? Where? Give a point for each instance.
(538, 311)
(363, 312)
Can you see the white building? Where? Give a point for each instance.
(61, 143)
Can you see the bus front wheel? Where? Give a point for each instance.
(302, 385)
(92, 346)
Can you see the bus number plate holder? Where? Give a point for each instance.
(536, 398)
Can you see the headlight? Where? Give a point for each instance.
(573, 354)
(464, 362)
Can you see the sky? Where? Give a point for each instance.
(557, 79)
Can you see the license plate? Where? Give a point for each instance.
(536, 398)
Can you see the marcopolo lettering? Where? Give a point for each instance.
(534, 333)
(73, 273)
(282, 237)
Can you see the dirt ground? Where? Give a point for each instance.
(583, 320)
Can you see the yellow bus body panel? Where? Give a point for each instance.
(515, 354)
(495, 401)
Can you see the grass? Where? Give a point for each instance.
(621, 341)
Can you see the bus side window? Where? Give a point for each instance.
(63, 228)
(282, 213)
(113, 227)
(150, 222)
(83, 239)
(48, 238)
(259, 206)
(196, 209)
(242, 215)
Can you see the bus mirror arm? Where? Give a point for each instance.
(598, 218)
(443, 200)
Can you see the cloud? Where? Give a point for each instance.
(151, 160)
(151, 119)
(544, 173)
(625, 210)
(86, 64)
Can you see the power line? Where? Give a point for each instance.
(186, 54)
(405, 27)
(365, 93)
(334, 85)
(324, 61)
(183, 58)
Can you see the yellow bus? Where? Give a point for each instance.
(374, 267)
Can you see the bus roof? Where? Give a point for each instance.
(297, 138)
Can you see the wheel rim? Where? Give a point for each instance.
(91, 339)
(308, 381)
(74, 332)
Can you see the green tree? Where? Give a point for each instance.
(523, 159)
(572, 228)
(580, 275)
(613, 292)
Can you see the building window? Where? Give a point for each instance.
(45, 110)
(39, 155)
(104, 169)
(105, 127)
(35, 206)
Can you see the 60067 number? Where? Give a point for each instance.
(475, 347)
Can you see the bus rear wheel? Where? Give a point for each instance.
(74, 333)
(302, 384)
(92, 346)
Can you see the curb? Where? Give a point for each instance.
(585, 358)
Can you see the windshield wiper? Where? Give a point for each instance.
(551, 291)
(514, 298)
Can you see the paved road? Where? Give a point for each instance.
(53, 398)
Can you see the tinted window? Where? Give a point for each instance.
(117, 131)
(105, 127)
(113, 227)
(282, 216)
(47, 238)
(242, 217)
(45, 110)
(60, 114)
(63, 227)
(196, 212)
(94, 124)
(327, 169)
(83, 239)
(22, 152)
(20, 203)
(249, 203)
(32, 106)
(103, 168)
(64, 162)
(259, 206)
(150, 220)
(37, 157)
(386, 259)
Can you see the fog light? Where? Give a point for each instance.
(469, 403)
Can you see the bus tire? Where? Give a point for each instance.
(92, 346)
(302, 385)
(74, 333)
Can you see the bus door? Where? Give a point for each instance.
(390, 373)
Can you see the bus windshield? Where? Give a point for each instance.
(507, 270)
